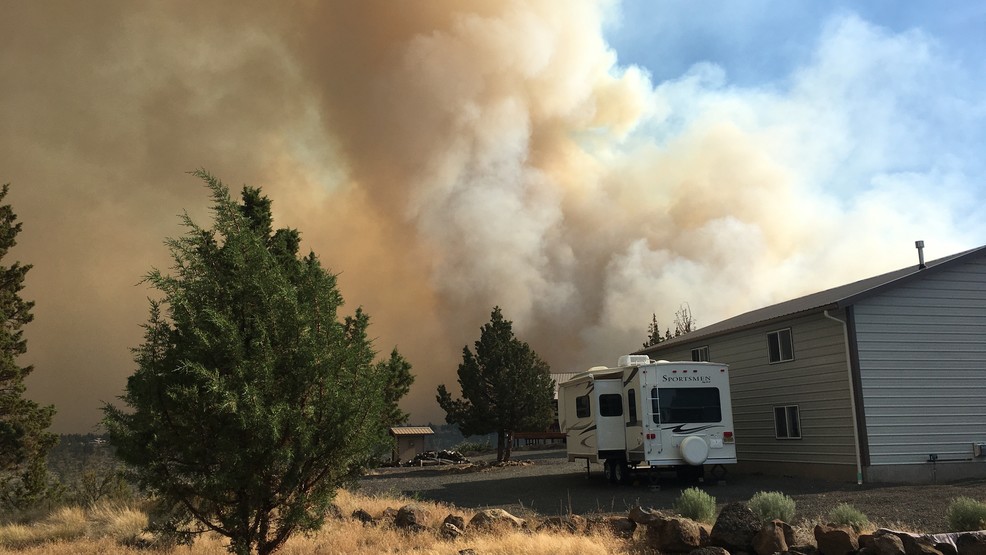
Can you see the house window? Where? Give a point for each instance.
(787, 422)
(610, 404)
(632, 405)
(701, 354)
(780, 346)
(582, 406)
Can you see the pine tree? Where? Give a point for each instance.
(398, 378)
(506, 387)
(653, 332)
(251, 403)
(24, 439)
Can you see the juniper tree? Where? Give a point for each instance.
(506, 387)
(251, 402)
(24, 439)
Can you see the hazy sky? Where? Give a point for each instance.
(580, 164)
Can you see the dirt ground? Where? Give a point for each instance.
(551, 486)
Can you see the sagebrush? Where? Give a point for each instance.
(965, 513)
(770, 505)
(696, 505)
(845, 514)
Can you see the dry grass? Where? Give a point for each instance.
(108, 529)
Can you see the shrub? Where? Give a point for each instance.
(965, 513)
(696, 505)
(770, 505)
(845, 514)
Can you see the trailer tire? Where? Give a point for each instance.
(608, 471)
(621, 472)
(694, 450)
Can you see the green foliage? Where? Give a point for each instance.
(472, 447)
(506, 387)
(965, 513)
(770, 505)
(398, 379)
(845, 514)
(251, 402)
(24, 439)
(697, 505)
(653, 332)
(88, 471)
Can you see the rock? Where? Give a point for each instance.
(621, 527)
(449, 531)
(946, 548)
(735, 527)
(362, 516)
(411, 518)
(884, 543)
(836, 540)
(971, 544)
(571, 523)
(643, 516)
(469, 551)
(919, 545)
(771, 538)
(672, 534)
(709, 551)
(390, 513)
(490, 518)
(455, 520)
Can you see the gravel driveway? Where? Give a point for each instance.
(552, 485)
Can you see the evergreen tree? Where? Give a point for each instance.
(24, 439)
(397, 376)
(506, 387)
(251, 403)
(653, 332)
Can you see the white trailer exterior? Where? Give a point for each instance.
(644, 413)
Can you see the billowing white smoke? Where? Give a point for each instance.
(446, 157)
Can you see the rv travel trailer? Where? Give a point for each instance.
(647, 414)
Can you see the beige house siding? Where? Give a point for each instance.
(816, 380)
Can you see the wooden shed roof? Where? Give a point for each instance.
(411, 431)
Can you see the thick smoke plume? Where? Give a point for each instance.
(443, 157)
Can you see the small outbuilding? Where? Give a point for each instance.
(411, 441)
(881, 380)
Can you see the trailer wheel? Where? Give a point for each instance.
(621, 472)
(608, 471)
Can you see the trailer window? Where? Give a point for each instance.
(632, 405)
(582, 406)
(686, 405)
(610, 404)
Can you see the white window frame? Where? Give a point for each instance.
(697, 354)
(780, 345)
(790, 432)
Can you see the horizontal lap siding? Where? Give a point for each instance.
(922, 357)
(816, 381)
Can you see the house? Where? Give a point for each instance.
(881, 380)
(410, 441)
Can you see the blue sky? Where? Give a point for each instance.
(762, 42)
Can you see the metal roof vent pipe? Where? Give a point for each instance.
(920, 246)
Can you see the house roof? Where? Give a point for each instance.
(830, 299)
(411, 431)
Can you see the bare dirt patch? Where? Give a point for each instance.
(551, 485)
